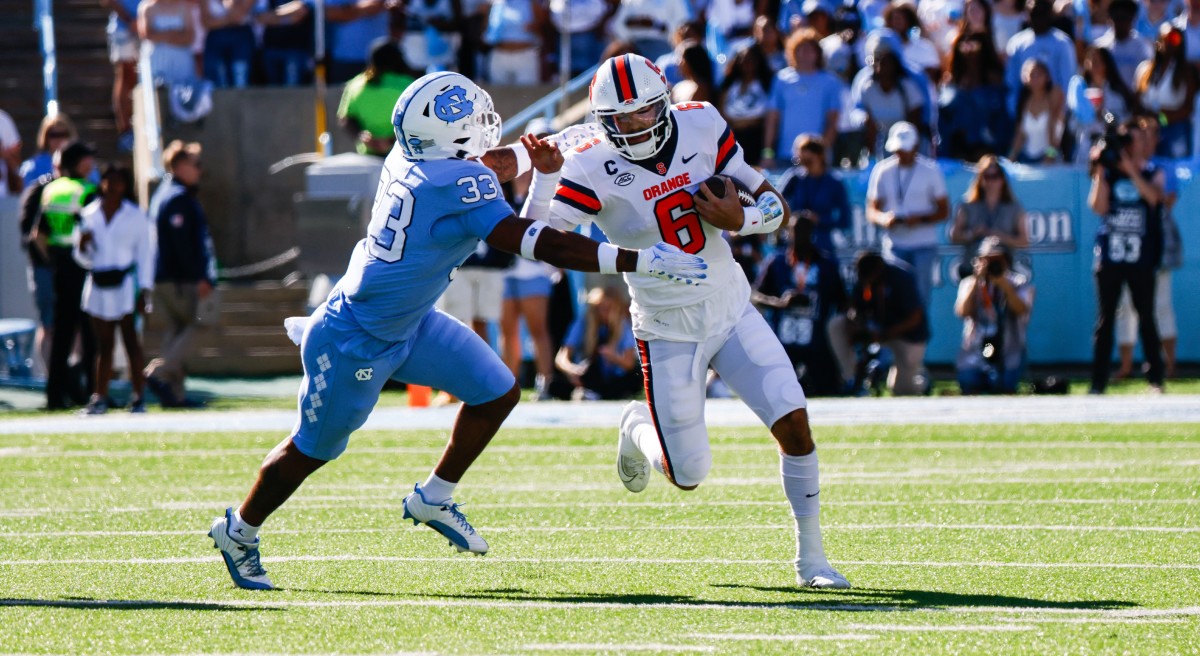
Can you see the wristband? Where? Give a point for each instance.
(752, 218)
(606, 254)
(541, 192)
(530, 239)
(523, 161)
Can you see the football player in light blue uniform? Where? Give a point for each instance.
(433, 205)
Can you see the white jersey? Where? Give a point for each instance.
(123, 243)
(640, 203)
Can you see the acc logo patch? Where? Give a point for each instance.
(452, 105)
(363, 375)
(624, 180)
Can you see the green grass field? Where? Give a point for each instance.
(1063, 539)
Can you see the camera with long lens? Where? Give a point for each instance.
(1112, 142)
(995, 268)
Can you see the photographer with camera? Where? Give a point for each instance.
(886, 311)
(1127, 193)
(801, 290)
(994, 303)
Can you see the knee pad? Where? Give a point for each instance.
(683, 406)
(690, 469)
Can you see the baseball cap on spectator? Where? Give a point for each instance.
(902, 137)
(992, 246)
(70, 155)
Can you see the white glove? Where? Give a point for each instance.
(668, 262)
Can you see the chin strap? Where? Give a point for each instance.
(765, 216)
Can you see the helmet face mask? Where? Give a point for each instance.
(445, 116)
(629, 86)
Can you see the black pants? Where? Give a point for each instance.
(1109, 280)
(63, 387)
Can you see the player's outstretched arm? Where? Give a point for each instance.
(535, 240)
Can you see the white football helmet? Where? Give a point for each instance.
(443, 116)
(625, 85)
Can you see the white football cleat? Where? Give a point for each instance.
(241, 558)
(822, 576)
(445, 518)
(633, 470)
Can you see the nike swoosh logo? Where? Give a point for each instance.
(689, 158)
(809, 496)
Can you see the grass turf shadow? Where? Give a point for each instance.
(907, 599)
(85, 603)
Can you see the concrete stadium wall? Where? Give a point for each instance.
(251, 211)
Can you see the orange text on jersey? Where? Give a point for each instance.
(668, 185)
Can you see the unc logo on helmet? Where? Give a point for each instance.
(628, 93)
(445, 116)
(453, 105)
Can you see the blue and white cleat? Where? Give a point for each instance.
(241, 558)
(446, 519)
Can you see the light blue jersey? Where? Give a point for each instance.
(379, 322)
(427, 219)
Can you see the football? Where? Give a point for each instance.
(716, 186)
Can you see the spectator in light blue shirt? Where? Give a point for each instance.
(1039, 41)
(804, 97)
(512, 31)
(352, 26)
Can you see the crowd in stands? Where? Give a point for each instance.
(1031, 80)
(810, 89)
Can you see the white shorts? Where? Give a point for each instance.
(474, 294)
(749, 359)
(108, 303)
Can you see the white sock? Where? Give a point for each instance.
(240, 530)
(645, 438)
(802, 485)
(437, 490)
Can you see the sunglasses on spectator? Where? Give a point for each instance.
(58, 134)
(993, 175)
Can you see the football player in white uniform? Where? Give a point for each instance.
(638, 179)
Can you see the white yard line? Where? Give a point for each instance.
(320, 502)
(237, 488)
(783, 637)
(500, 560)
(558, 647)
(764, 447)
(635, 528)
(894, 411)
